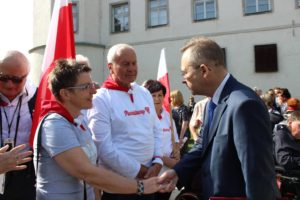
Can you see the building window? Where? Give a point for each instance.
(120, 18)
(266, 58)
(75, 12)
(256, 6)
(298, 3)
(157, 13)
(204, 9)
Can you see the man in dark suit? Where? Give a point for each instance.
(235, 158)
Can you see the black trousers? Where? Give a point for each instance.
(162, 196)
(108, 196)
(20, 185)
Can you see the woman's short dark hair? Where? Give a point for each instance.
(154, 86)
(65, 74)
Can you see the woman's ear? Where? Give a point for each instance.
(64, 94)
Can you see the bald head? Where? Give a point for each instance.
(116, 51)
(14, 68)
(14, 59)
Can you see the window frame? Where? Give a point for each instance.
(257, 11)
(149, 12)
(265, 56)
(112, 17)
(297, 3)
(204, 11)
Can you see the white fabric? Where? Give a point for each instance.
(126, 133)
(217, 93)
(25, 116)
(162, 66)
(166, 130)
(167, 137)
(51, 41)
(198, 113)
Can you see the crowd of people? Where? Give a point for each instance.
(117, 141)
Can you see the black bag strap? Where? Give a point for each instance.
(39, 141)
(31, 103)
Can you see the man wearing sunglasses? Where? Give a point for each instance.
(17, 97)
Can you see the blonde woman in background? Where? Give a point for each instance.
(181, 116)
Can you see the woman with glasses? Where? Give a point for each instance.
(65, 155)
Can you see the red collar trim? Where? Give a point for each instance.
(159, 116)
(56, 107)
(109, 83)
(3, 103)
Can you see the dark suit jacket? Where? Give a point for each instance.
(237, 160)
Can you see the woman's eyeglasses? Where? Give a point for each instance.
(86, 86)
(14, 79)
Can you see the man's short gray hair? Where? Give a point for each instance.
(115, 50)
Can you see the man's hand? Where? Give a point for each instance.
(152, 185)
(168, 180)
(153, 170)
(14, 159)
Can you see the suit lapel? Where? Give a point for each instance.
(221, 107)
(216, 119)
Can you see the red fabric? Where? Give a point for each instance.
(3, 103)
(163, 78)
(165, 81)
(291, 108)
(55, 106)
(109, 83)
(159, 116)
(63, 48)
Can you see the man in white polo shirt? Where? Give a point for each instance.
(124, 122)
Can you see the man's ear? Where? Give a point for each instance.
(289, 123)
(109, 66)
(204, 69)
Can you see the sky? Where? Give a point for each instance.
(16, 18)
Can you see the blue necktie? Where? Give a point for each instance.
(211, 108)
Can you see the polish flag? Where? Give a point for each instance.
(60, 44)
(163, 77)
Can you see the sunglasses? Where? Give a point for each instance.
(86, 86)
(14, 79)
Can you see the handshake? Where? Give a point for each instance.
(163, 183)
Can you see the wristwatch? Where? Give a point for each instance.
(140, 187)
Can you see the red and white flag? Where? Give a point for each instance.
(60, 44)
(163, 77)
